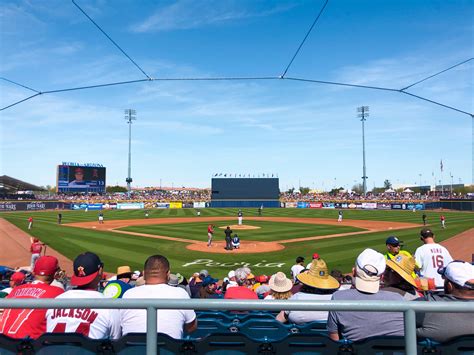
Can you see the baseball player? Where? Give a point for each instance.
(443, 221)
(30, 222)
(240, 216)
(35, 248)
(236, 241)
(101, 218)
(431, 257)
(210, 233)
(424, 219)
(339, 217)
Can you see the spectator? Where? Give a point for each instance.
(280, 287)
(431, 257)
(232, 281)
(458, 287)
(394, 248)
(209, 288)
(263, 287)
(398, 277)
(116, 288)
(92, 323)
(317, 285)
(178, 280)
(16, 279)
(20, 323)
(315, 256)
(169, 321)
(297, 268)
(345, 281)
(370, 265)
(241, 291)
(195, 284)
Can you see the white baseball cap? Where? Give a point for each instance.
(459, 272)
(370, 264)
(231, 274)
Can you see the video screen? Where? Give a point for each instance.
(81, 179)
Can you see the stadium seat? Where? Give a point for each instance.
(71, 343)
(232, 344)
(15, 346)
(463, 345)
(209, 326)
(264, 329)
(315, 327)
(312, 344)
(382, 345)
(135, 343)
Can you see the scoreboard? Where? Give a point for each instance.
(80, 178)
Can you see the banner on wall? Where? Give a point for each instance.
(416, 206)
(162, 205)
(396, 206)
(384, 206)
(176, 205)
(199, 204)
(315, 205)
(369, 205)
(352, 206)
(291, 204)
(130, 206)
(188, 205)
(329, 205)
(302, 204)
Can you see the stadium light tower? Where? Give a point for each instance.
(130, 115)
(363, 113)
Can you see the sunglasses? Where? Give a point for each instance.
(368, 272)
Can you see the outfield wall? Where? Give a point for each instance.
(245, 203)
(458, 205)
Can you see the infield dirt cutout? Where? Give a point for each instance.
(246, 246)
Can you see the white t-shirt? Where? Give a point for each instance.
(169, 321)
(295, 270)
(94, 323)
(431, 257)
(301, 317)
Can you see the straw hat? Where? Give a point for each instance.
(318, 277)
(124, 271)
(280, 283)
(404, 266)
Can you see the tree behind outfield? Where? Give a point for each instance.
(113, 189)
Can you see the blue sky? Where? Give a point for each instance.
(306, 133)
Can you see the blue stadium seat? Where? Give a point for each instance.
(232, 344)
(461, 345)
(71, 343)
(314, 344)
(381, 345)
(209, 326)
(264, 329)
(315, 327)
(135, 343)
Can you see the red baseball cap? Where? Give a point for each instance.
(46, 266)
(79, 170)
(17, 277)
(86, 268)
(315, 256)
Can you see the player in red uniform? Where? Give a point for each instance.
(210, 233)
(35, 248)
(20, 323)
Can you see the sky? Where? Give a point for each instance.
(186, 131)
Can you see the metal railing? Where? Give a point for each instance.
(409, 309)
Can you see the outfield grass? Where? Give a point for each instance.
(118, 249)
(268, 232)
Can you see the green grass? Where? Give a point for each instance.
(118, 249)
(268, 232)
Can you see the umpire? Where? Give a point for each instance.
(228, 238)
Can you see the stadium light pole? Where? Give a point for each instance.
(451, 183)
(130, 116)
(363, 113)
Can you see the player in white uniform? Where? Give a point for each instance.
(339, 216)
(240, 216)
(431, 257)
(93, 323)
(169, 321)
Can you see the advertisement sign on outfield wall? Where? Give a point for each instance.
(291, 204)
(199, 205)
(130, 206)
(33, 206)
(303, 204)
(315, 205)
(329, 205)
(188, 205)
(162, 205)
(384, 206)
(416, 206)
(89, 206)
(369, 205)
(176, 205)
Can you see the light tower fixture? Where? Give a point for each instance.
(130, 116)
(363, 113)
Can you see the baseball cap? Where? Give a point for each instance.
(262, 278)
(426, 233)
(369, 266)
(459, 272)
(173, 280)
(392, 240)
(203, 273)
(231, 274)
(86, 268)
(46, 265)
(79, 170)
(315, 256)
(17, 277)
(208, 280)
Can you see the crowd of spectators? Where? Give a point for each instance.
(391, 277)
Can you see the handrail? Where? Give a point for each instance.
(151, 305)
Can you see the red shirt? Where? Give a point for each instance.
(209, 229)
(36, 248)
(30, 219)
(20, 323)
(442, 218)
(240, 293)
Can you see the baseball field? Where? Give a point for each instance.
(269, 243)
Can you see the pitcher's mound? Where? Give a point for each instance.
(241, 227)
(246, 247)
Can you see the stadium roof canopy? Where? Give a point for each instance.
(10, 184)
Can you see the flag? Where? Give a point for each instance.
(225, 175)
(441, 165)
(220, 174)
(215, 174)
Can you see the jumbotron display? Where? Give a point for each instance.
(245, 189)
(80, 178)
